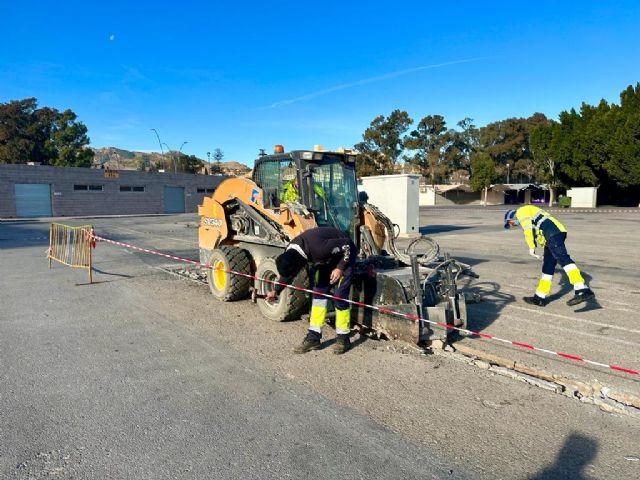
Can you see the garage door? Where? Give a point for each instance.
(173, 199)
(33, 200)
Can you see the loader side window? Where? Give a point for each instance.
(334, 194)
(272, 176)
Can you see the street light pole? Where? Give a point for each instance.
(508, 172)
(180, 149)
(173, 158)
(175, 169)
(159, 143)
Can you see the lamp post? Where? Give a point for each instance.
(180, 149)
(508, 172)
(159, 143)
(175, 170)
(173, 159)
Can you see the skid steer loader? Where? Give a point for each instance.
(246, 223)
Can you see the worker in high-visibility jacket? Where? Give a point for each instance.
(289, 191)
(543, 230)
(332, 255)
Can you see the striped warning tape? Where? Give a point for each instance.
(384, 310)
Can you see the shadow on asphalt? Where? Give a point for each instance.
(121, 279)
(566, 289)
(494, 301)
(102, 272)
(21, 234)
(575, 455)
(431, 229)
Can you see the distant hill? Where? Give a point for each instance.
(120, 159)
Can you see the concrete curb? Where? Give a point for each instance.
(606, 398)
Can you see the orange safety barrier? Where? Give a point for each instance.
(71, 246)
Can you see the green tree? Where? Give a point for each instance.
(483, 174)
(17, 130)
(623, 161)
(462, 144)
(218, 155)
(429, 140)
(68, 141)
(544, 142)
(187, 163)
(507, 141)
(45, 135)
(383, 143)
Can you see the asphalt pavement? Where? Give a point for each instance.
(145, 375)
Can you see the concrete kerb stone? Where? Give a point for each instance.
(605, 398)
(620, 397)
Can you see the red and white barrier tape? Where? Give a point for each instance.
(387, 311)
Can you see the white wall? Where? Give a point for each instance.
(398, 197)
(427, 198)
(496, 198)
(583, 197)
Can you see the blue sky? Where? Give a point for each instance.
(249, 75)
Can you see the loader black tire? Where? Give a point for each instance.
(291, 303)
(227, 286)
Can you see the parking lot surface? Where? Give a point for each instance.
(144, 375)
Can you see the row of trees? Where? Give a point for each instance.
(44, 135)
(597, 146)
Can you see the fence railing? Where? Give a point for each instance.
(71, 246)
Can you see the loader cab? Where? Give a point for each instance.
(325, 182)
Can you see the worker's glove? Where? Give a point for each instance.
(532, 252)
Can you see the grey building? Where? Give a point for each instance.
(43, 191)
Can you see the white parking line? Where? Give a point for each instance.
(564, 317)
(571, 331)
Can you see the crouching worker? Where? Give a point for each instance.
(331, 254)
(543, 230)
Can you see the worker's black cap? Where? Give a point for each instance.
(289, 263)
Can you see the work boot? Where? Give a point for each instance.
(535, 300)
(342, 345)
(310, 342)
(580, 296)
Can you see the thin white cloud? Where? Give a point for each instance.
(365, 81)
(132, 74)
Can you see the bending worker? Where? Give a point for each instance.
(543, 230)
(331, 254)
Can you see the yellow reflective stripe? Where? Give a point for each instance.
(343, 320)
(544, 287)
(573, 273)
(317, 316)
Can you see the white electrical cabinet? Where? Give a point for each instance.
(398, 197)
(583, 197)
